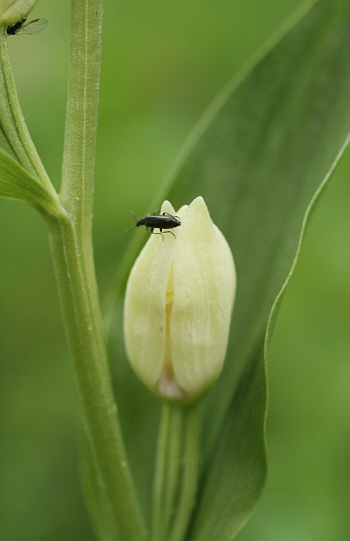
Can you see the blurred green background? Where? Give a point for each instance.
(163, 62)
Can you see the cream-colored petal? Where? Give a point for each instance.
(204, 285)
(181, 212)
(167, 207)
(228, 265)
(144, 308)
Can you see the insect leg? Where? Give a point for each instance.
(164, 233)
(167, 214)
(173, 234)
(158, 233)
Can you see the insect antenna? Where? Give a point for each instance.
(132, 214)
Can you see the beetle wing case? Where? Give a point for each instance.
(164, 221)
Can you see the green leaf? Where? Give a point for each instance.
(259, 155)
(15, 139)
(17, 184)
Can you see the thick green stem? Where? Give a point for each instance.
(176, 473)
(189, 478)
(78, 295)
(81, 115)
(71, 244)
(69, 221)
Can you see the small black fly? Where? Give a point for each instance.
(33, 27)
(157, 221)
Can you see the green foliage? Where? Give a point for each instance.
(17, 184)
(259, 155)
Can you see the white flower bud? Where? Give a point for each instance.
(13, 11)
(178, 306)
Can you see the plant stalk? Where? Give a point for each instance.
(72, 251)
(176, 472)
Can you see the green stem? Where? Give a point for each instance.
(158, 526)
(189, 481)
(71, 244)
(78, 293)
(176, 473)
(81, 114)
(69, 223)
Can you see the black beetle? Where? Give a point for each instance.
(157, 221)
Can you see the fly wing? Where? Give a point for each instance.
(33, 27)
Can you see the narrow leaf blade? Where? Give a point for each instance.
(257, 157)
(237, 471)
(258, 165)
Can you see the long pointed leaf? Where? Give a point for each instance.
(258, 157)
(290, 119)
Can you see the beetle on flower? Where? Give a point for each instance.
(178, 307)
